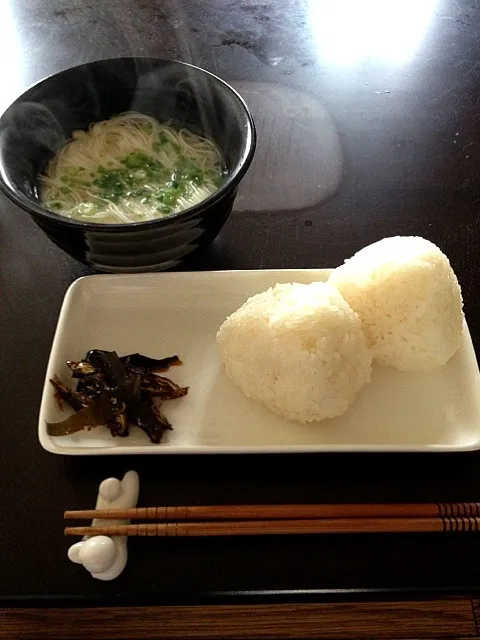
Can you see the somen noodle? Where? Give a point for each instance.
(131, 168)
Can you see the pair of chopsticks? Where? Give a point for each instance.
(283, 519)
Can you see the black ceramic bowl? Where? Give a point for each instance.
(41, 120)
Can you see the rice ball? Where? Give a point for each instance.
(298, 349)
(408, 297)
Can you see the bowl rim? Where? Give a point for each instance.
(231, 181)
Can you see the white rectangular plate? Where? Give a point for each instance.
(179, 313)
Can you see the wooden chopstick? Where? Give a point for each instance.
(283, 512)
(279, 527)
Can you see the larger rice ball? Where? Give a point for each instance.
(409, 300)
(299, 349)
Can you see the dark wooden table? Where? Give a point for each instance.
(368, 120)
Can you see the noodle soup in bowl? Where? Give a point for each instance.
(128, 164)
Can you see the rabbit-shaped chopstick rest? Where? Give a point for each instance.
(105, 557)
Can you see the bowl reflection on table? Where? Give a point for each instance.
(41, 120)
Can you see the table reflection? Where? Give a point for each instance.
(10, 50)
(349, 32)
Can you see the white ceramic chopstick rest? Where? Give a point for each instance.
(104, 557)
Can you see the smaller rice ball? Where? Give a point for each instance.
(298, 349)
(408, 297)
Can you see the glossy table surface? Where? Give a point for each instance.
(368, 121)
